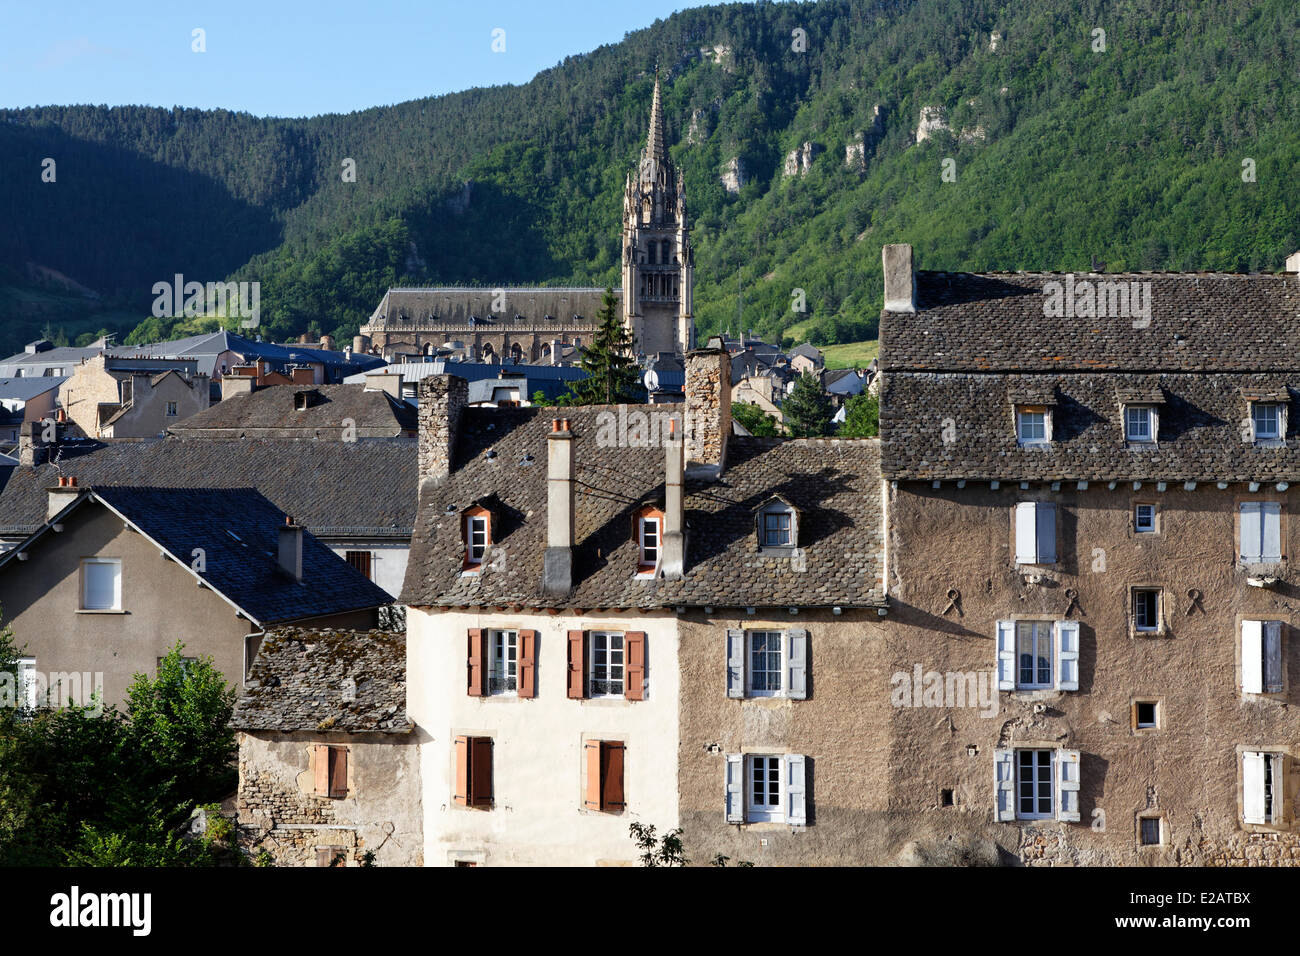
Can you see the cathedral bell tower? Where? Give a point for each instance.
(658, 263)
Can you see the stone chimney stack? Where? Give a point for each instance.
(900, 280)
(441, 399)
(61, 495)
(290, 552)
(1293, 262)
(673, 560)
(708, 411)
(232, 385)
(557, 561)
(32, 447)
(556, 350)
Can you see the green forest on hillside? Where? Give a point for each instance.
(1063, 155)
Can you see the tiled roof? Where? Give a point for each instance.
(834, 483)
(338, 681)
(238, 531)
(456, 305)
(1212, 322)
(960, 425)
(365, 486)
(373, 413)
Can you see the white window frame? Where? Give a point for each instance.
(1041, 633)
(1159, 821)
(474, 554)
(171, 410)
(1156, 626)
(1138, 527)
(1025, 416)
(29, 688)
(503, 666)
(1259, 514)
(1063, 648)
(1278, 416)
(1041, 777)
(1155, 715)
(776, 511)
(765, 813)
(86, 564)
(782, 684)
(1143, 416)
(1032, 519)
(645, 564)
(603, 641)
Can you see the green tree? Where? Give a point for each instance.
(656, 851)
(807, 409)
(611, 370)
(861, 417)
(755, 420)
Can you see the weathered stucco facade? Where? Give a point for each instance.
(537, 815)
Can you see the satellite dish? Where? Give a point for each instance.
(651, 380)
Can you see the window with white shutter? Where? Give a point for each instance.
(734, 789)
(735, 662)
(1261, 532)
(29, 685)
(1067, 785)
(796, 797)
(1035, 532)
(1067, 655)
(1006, 660)
(1261, 657)
(1004, 784)
(763, 663)
(1038, 655)
(1263, 793)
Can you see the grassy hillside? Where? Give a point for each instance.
(1058, 153)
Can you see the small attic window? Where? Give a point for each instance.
(305, 399)
(1141, 423)
(777, 526)
(1267, 421)
(1033, 425)
(648, 526)
(476, 526)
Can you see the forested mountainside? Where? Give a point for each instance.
(1171, 141)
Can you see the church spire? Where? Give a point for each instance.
(655, 147)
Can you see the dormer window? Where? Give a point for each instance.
(478, 537)
(1266, 419)
(1140, 423)
(649, 539)
(1033, 425)
(778, 526)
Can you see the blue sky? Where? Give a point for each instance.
(293, 57)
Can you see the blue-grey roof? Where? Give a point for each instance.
(237, 530)
(25, 389)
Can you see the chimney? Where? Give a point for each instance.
(556, 350)
(708, 411)
(290, 552)
(61, 495)
(32, 448)
(303, 375)
(390, 382)
(674, 545)
(900, 281)
(236, 384)
(1293, 262)
(557, 561)
(441, 399)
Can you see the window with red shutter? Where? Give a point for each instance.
(527, 664)
(320, 759)
(592, 798)
(604, 789)
(475, 653)
(338, 771)
(480, 771)
(577, 665)
(634, 682)
(461, 794)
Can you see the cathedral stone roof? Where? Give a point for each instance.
(523, 308)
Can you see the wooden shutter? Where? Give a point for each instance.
(735, 662)
(796, 802)
(1272, 657)
(476, 668)
(1006, 662)
(326, 855)
(577, 665)
(527, 664)
(1252, 787)
(480, 771)
(634, 676)
(1004, 784)
(1045, 524)
(734, 792)
(592, 797)
(461, 794)
(1250, 532)
(1026, 533)
(1067, 785)
(1271, 522)
(338, 761)
(611, 785)
(321, 766)
(1067, 655)
(796, 663)
(1252, 657)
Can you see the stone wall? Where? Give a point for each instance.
(442, 398)
(708, 406)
